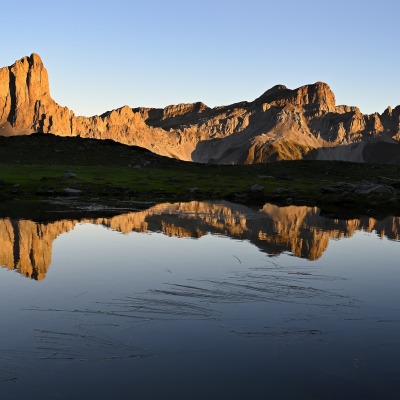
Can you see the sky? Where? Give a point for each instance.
(102, 55)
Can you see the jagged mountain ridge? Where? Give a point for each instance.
(280, 124)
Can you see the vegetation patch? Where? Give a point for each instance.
(46, 166)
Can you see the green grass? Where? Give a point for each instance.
(107, 179)
(31, 169)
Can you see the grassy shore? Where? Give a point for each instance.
(42, 167)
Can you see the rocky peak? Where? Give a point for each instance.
(182, 109)
(30, 79)
(319, 95)
(275, 94)
(35, 59)
(388, 111)
(342, 109)
(275, 90)
(22, 86)
(316, 96)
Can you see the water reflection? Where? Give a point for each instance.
(26, 245)
(156, 316)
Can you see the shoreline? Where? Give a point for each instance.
(42, 168)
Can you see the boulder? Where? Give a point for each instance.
(359, 188)
(389, 181)
(72, 192)
(69, 175)
(256, 188)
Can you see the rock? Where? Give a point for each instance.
(340, 187)
(256, 188)
(284, 190)
(72, 192)
(373, 188)
(315, 127)
(69, 175)
(389, 181)
(360, 188)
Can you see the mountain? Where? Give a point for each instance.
(26, 245)
(280, 124)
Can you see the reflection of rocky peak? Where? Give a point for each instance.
(280, 124)
(26, 245)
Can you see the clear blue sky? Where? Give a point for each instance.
(104, 54)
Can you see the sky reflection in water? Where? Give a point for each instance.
(150, 315)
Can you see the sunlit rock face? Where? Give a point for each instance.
(280, 124)
(26, 245)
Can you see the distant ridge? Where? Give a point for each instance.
(280, 124)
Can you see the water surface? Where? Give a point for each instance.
(200, 300)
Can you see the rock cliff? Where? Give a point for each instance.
(27, 245)
(280, 124)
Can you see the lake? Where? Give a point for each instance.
(200, 300)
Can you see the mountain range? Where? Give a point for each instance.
(304, 123)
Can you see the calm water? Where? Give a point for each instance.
(200, 301)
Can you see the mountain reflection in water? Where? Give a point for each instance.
(26, 245)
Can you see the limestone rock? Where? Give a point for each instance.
(69, 175)
(280, 124)
(72, 192)
(358, 188)
(256, 188)
(389, 181)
